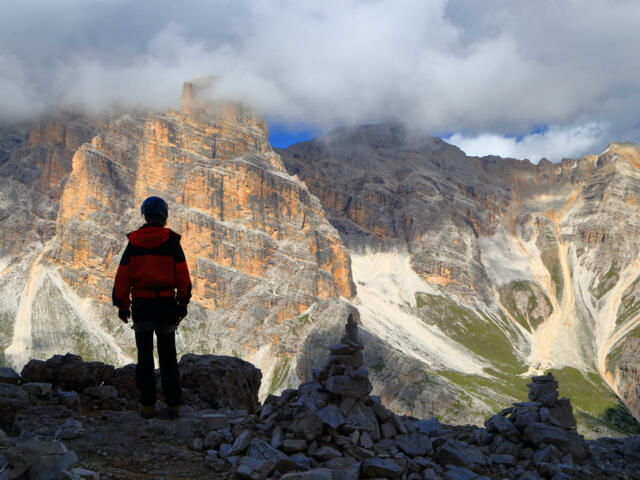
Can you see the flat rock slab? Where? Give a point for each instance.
(430, 426)
(460, 473)
(543, 378)
(380, 467)
(309, 425)
(562, 417)
(9, 375)
(332, 416)
(241, 442)
(414, 444)
(454, 452)
(315, 474)
(215, 421)
(254, 468)
(358, 387)
(538, 433)
(263, 451)
(503, 425)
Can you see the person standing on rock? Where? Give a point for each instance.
(153, 272)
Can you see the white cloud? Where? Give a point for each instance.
(555, 143)
(497, 66)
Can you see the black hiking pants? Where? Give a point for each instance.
(156, 315)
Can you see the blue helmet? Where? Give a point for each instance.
(154, 208)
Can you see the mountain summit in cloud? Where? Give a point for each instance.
(481, 70)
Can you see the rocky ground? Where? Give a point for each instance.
(68, 419)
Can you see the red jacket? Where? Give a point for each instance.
(152, 265)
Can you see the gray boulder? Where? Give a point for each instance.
(414, 444)
(37, 389)
(12, 398)
(26, 455)
(9, 375)
(454, 452)
(254, 468)
(331, 416)
(314, 474)
(308, 425)
(70, 429)
(356, 387)
(221, 381)
(461, 473)
(67, 372)
(503, 426)
(539, 433)
(430, 426)
(380, 467)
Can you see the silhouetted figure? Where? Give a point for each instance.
(153, 272)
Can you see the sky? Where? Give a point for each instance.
(520, 78)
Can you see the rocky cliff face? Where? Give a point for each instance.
(466, 271)
(261, 253)
(483, 266)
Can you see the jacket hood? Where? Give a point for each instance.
(149, 236)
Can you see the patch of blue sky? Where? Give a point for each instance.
(281, 136)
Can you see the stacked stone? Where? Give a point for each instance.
(344, 373)
(541, 431)
(331, 428)
(42, 459)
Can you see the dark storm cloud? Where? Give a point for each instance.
(481, 69)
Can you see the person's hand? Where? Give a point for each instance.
(181, 312)
(124, 315)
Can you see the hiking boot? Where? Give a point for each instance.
(173, 411)
(148, 411)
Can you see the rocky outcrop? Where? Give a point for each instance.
(260, 251)
(313, 431)
(519, 263)
(209, 381)
(221, 382)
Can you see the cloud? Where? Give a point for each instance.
(499, 67)
(554, 144)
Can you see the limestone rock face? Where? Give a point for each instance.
(535, 266)
(466, 271)
(261, 253)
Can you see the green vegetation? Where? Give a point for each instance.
(480, 333)
(630, 304)
(608, 280)
(82, 344)
(6, 328)
(295, 326)
(508, 294)
(378, 368)
(613, 357)
(595, 405)
(551, 261)
(497, 393)
(280, 374)
(594, 402)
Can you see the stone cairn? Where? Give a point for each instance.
(329, 428)
(333, 425)
(544, 426)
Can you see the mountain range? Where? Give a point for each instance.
(466, 272)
